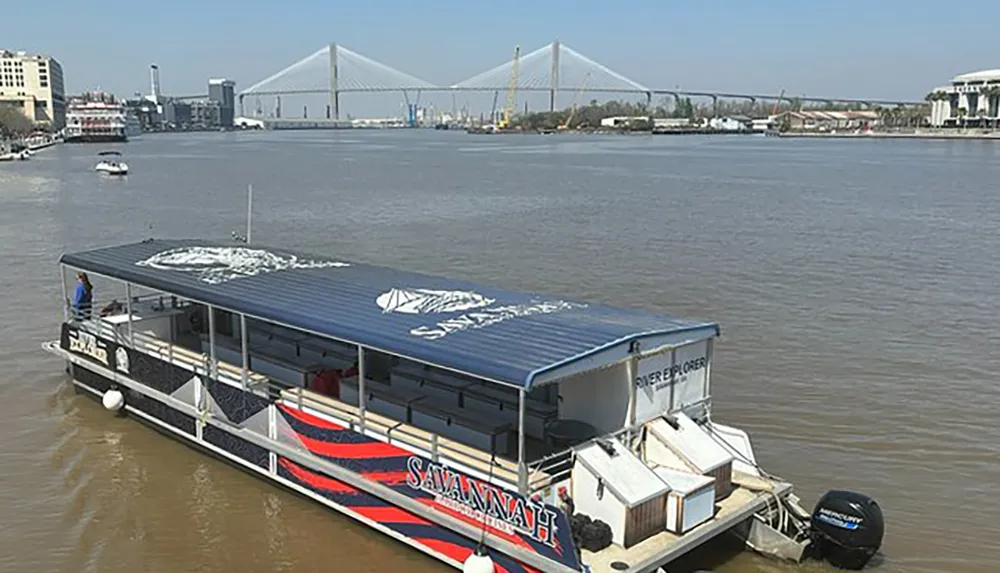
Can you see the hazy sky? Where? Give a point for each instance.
(877, 48)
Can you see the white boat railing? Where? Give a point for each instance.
(504, 472)
(198, 362)
(549, 470)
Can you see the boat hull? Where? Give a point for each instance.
(112, 168)
(97, 138)
(434, 540)
(301, 444)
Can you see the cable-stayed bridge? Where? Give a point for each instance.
(334, 70)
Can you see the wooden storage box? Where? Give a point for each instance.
(620, 490)
(689, 448)
(691, 501)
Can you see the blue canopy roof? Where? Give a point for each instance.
(505, 336)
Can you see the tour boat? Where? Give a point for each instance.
(97, 117)
(491, 429)
(109, 166)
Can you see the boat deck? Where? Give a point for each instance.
(750, 494)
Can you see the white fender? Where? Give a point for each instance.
(478, 562)
(113, 400)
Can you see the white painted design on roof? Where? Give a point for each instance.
(427, 301)
(479, 311)
(215, 265)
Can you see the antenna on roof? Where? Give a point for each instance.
(249, 210)
(246, 238)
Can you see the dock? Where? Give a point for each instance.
(290, 124)
(929, 134)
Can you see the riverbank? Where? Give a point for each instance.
(22, 149)
(916, 134)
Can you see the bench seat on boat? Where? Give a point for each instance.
(323, 351)
(197, 360)
(475, 398)
(487, 399)
(300, 345)
(443, 389)
(381, 398)
(503, 470)
(281, 368)
(465, 427)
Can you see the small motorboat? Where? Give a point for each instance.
(111, 166)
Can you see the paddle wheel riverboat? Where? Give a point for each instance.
(491, 429)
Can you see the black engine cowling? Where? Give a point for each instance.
(848, 528)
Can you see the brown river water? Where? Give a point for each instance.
(856, 283)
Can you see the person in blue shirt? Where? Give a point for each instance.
(83, 297)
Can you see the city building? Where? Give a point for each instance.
(970, 100)
(223, 92)
(206, 114)
(33, 84)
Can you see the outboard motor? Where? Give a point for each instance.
(847, 528)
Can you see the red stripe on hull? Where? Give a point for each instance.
(351, 450)
(310, 419)
(515, 538)
(390, 514)
(316, 480)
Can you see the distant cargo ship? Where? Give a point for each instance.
(98, 117)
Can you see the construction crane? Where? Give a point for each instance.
(777, 102)
(572, 111)
(512, 92)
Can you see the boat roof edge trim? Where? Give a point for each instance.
(505, 337)
(670, 338)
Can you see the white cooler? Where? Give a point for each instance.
(691, 500)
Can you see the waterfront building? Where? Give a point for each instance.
(970, 100)
(33, 84)
(191, 115)
(623, 121)
(671, 122)
(817, 120)
(730, 123)
(223, 92)
(206, 114)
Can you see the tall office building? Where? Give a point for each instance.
(33, 84)
(223, 92)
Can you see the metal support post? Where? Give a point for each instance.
(361, 386)
(128, 309)
(65, 294)
(244, 353)
(212, 363)
(708, 375)
(632, 367)
(249, 212)
(522, 469)
(673, 378)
